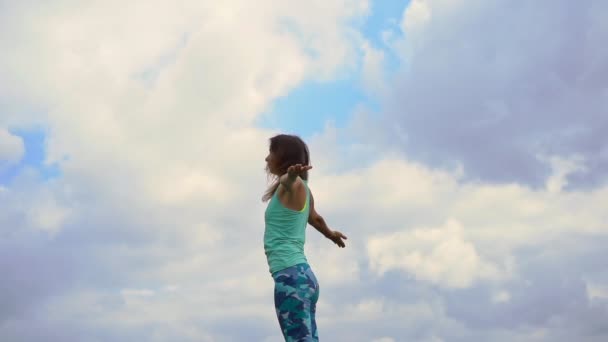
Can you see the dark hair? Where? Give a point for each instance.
(288, 150)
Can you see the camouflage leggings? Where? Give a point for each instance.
(296, 292)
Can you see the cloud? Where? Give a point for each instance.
(491, 86)
(149, 110)
(417, 14)
(513, 253)
(440, 256)
(11, 148)
(597, 291)
(373, 74)
(150, 231)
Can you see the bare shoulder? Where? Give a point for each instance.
(294, 199)
(296, 187)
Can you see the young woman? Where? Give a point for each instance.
(290, 208)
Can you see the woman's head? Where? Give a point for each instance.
(284, 151)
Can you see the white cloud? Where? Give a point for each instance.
(47, 215)
(126, 293)
(29, 206)
(501, 297)
(150, 112)
(373, 73)
(562, 167)
(416, 14)
(337, 267)
(11, 148)
(597, 291)
(154, 220)
(441, 256)
(384, 339)
(498, 252)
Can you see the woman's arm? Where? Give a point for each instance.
(317, 221)
(289, 178)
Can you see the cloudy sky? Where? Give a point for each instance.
(460, 144)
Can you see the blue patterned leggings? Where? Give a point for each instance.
(296, 292)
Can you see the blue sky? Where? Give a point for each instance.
(34, 140)
(307, 108)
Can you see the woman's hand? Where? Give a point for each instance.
(295, 170)
(337, 237)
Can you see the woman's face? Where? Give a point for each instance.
(271, 162)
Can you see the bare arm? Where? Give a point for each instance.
(317, 221)
(287, 182)
(288, 179)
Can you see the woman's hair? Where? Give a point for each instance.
(288, 150)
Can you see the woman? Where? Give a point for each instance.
(291, 206)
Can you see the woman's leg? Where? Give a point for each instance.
(313, 306)
(295, 297)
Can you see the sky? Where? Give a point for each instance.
(459, 144)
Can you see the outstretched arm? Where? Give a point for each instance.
(289, 178)
(317, 221)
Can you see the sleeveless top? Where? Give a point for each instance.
(284, 234)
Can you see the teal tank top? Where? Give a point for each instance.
(284, 235)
